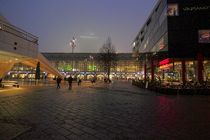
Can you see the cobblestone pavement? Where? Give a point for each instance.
(107, 112)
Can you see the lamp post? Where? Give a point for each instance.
(73, 45)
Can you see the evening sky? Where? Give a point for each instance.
(55, 22)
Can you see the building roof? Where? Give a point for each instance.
(81, 56)
(2, 18)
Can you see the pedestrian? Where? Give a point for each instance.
(0, 82)
(58, 80)
(93, 79)
(79, 81)
(70, 79)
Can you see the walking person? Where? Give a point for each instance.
(70, 79)
(58, 80)
(0, 82)
(79, 81)
(93, 79)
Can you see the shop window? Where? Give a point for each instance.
(207, 70)
(172, 10)
(191, 71)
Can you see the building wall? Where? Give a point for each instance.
(173, 27)
(153, 35)
(179, 30)
(183, 28)
(15, 40)
(19, 46)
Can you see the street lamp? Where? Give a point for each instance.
(72, 45)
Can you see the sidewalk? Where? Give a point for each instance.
(117, 111)
(123, 87)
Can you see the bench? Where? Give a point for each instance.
(9, 84)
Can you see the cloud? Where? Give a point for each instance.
(88, 37)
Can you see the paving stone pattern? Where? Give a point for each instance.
(116, 111)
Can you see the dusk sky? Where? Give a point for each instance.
(55, 22)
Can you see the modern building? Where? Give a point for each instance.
(174, 42)
(86, 66)
(20, 47)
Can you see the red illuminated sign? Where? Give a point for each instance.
(164, 62)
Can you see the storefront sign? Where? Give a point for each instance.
(196, 8)
(164, 62)
(172, 10)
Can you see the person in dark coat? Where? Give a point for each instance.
(0, 82)
(79, 81)
(70, 79)
(58, 80)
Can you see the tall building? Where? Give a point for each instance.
(174, 42)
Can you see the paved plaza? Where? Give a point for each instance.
(117, 111)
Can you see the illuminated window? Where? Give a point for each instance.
(173, 10)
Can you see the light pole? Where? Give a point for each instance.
(73, 45)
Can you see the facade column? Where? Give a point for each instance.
(200, 67)
(145, 72)
(152, 70)
(183, 72)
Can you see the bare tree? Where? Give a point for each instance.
(107, 57)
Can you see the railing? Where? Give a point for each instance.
(18, 32)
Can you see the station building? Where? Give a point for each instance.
(174, 42)
(86, 66)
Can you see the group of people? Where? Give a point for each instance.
(70, 80)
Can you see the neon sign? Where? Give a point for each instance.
(164, 62)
